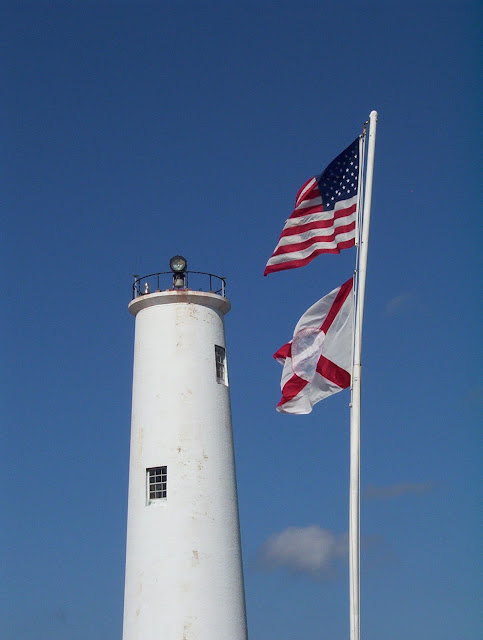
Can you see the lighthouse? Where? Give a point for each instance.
(184, 578)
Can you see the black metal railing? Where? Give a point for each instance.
(165, 281)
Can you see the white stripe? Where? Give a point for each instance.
(338, 222)
(342, 204)
(308, 186)
(311, 217)
(300, 255)
(309, 203)
(313, 234)
(316, 233)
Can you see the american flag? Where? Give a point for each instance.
(324, 218)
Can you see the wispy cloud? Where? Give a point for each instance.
(61, 615)
(310, 550)
(474, 396)
(396, 490)
(398, 303)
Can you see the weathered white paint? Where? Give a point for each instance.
(184, 576)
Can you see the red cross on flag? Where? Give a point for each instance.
(317, 361)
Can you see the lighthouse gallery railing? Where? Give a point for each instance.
(163, 281)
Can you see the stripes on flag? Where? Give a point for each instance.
(324, 217)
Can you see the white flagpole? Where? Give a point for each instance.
(354, 490)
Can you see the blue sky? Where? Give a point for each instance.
(133, 131)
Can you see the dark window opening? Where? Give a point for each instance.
(220, 362)
(157, 478)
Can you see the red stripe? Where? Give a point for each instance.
(347, 211)
(294, 264)
(313, 189)
(333, 372)
(300, 246)
(317, 224)
(301, 228)
(306, 211)
(318, 208)
(292, 388)
(340, 298)
(283, 352)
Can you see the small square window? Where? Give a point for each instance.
(220, 363)
(157, 483)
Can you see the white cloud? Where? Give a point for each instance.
(398, 303)
(396, 490)
(309, 550)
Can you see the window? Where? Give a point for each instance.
(157, 483)
(220, 362)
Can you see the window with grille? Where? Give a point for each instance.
(220, 362)
(157, 483)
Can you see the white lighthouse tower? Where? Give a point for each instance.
(184, 577)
